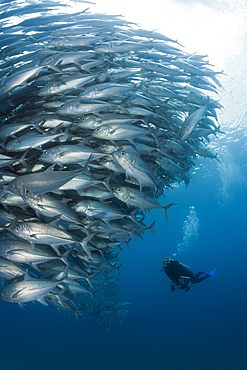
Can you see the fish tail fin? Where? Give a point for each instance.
(165, 208)
(117, 268)
(127, 243)
(131, 216)
(64, 256)
(89, 280)
(217, 159)
(151, 228)
(85, 167)
(23, 160)
(154, 133)
(84, 244)
(106, 182)
(132, 235)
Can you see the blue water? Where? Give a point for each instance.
(202, 329)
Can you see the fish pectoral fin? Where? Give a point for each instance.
(113, 130)
(33, 235)
(16, 294)
(13, 252)
(63, 154)
(42, 300)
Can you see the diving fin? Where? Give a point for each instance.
(211, 274)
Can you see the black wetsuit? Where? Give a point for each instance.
(181, 275)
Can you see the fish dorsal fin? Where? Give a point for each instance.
(28, 277)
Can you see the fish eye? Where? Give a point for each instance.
(27, 191)
(11, 186)
(122, 152)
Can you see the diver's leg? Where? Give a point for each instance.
(199, 279)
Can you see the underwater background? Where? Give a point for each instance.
(204, 328)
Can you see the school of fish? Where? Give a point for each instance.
(97, 118)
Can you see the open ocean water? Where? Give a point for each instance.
(204, 328)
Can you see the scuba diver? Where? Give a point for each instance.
(181, 275)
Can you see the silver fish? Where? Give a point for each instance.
(105, 90)
(42, 233)
(8, 270)
(118, 132)
(11, 130)
(8, 198)
(30, 141)
(48, 206)
(134, 197)
(43, 182)
(136, 167)
(66, 84)
(191, 121)
(80, 108)
(27, 290)
(98, 210)
(21, 252)
(19, 78)
(6, 161)
(70, 154)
